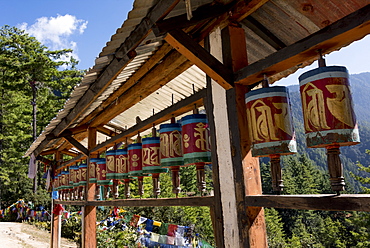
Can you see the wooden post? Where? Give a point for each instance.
(89, 212)
(224, 213)
(55, 219)
(246, 168)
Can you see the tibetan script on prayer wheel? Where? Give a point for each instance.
(196, 139)
(83, 174)
(110, 157)
(92, 169)
(121, 164)
(269, 121)
(135, 159)
(101, 173)
(170, 145)
(151, 157)
(327, 107)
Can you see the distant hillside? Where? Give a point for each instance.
(360, 87)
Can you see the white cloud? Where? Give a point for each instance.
(56, 32)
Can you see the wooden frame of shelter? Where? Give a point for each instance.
(215, 37)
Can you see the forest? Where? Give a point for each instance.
(26, 63)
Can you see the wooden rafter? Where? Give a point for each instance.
(341, 33)
(77, 144)
(200, 57)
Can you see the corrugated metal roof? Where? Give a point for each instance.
(288, 20)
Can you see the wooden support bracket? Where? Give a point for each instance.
(78, 145)
(200, 57)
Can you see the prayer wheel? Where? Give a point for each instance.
(329, 119)
(68, 186)
(82, 171)
(63, 185)
(101, 175)
(76, 183)
(151, 161)
(171, 151)
(73, 180)
(122, 168)
(135, 156)
(270, 127)
(110, 157)
(92, 170)
(196, 145)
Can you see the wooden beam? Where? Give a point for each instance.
(341, 33)
(243, 8)
(74, 160)
(263, 33)
(355, 202)
(69, 153)
(89, 212)
(246, 168)
(160, 75)
(200, 57)
(106, 131)
(43, 160)
(78, 145)
(48, 152)
(149, 202)
(201, 14)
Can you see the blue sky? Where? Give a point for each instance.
(86, 26)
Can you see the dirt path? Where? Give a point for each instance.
(22, 235)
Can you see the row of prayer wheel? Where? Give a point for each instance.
(329, 122)
(179, 144)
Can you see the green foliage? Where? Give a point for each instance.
(25, 62)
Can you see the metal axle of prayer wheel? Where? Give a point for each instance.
(135, 155)
(270, 127)
(196, 145)
(171, 151)
(151, 162)
(329, 119)
(122, 168)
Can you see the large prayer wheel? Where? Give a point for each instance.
(82, 168)
(327, 107)
(329, 119)
(171, 151)
(270, 127)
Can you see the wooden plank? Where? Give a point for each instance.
(160, 75)
(341, 33)
(157, 13)
(220, 136)
(148, 202)
(69, 153)
(243, 8)
(354, 202)
(246, 168)
(77, 144)
(149, 64)
(200, 57)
